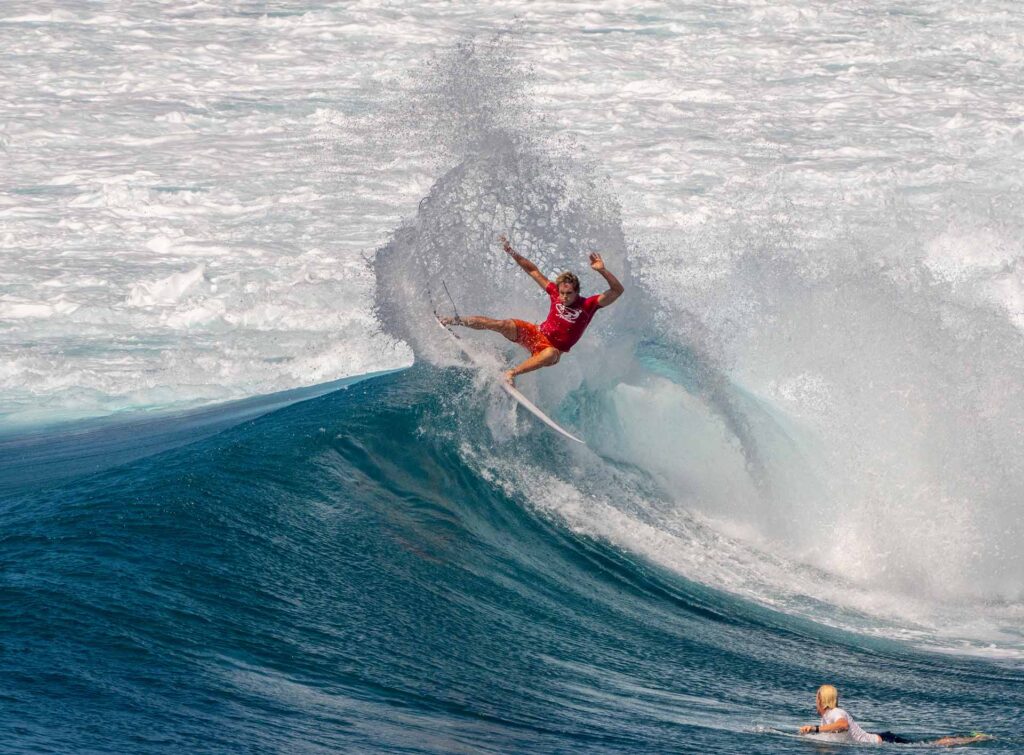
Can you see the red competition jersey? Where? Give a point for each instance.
(566, 323)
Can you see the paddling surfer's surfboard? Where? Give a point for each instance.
(514, 392)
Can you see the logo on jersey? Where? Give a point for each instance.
(569, 314)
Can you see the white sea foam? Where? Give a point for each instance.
(237, 137)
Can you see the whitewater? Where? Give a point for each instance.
(253, 499)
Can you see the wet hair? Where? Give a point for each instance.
(828, 696)
(568, 278)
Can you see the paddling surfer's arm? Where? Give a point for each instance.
(524, 263)
(835, 727)
(615, 288)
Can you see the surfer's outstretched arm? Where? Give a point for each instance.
(615, 288)
(533, 271)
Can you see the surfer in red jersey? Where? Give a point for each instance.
(568, 317)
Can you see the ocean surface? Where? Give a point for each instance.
(252, 500)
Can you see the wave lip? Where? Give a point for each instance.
(47, 455)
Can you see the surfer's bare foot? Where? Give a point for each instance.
(510, 377)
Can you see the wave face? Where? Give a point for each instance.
(341, 575)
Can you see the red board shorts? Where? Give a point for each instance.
(530, 337)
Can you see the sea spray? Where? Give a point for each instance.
(792, 380)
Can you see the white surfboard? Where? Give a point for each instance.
(514, 392)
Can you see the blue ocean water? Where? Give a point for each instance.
(333, 576)
(229, 524)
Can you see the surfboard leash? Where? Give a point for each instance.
(433, 304)
(458, 317)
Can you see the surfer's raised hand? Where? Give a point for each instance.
(510, 377)
(615, 288)
(524, 263)
(506, 245)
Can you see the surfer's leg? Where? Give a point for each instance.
(890, 738)
(506, 327)
(955, 741)
(544, 358)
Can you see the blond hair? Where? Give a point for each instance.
(568, 278)
(828, 696)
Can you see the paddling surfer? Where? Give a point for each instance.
(835, 720)
(568, 317)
